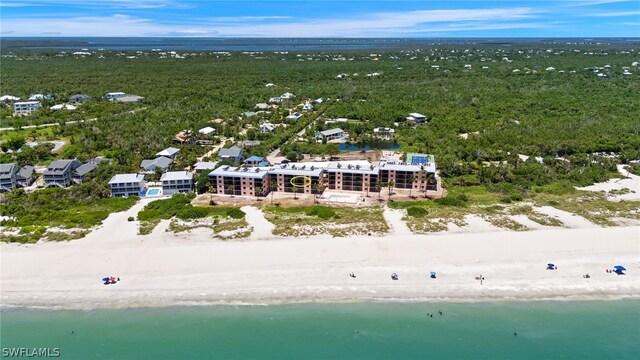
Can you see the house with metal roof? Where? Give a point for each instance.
(149, 166)
(207, 130)
(294, 116)
(417, 118)
(60, 173)
(26, 176)
(81, 172)
(253, 160)
(125, 185)
(330, 134)
(79, 98)
(8, 174)
(177, 181)
(202, 166)
(169, 152)
(233, 153)
(267, 127)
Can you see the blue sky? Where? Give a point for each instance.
(321, 18)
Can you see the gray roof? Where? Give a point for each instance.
(331, 132)
(79, 98)
(246, 172)
(176, 175)
(170, 151)
(160, 161)
(233, 151)
(26, 172)
(7, 170)
(205, 165)
(129, 98)
(431, 167)
(354, 169)
(297, 170)
(61, 166)
(126, 178)
(85, 169)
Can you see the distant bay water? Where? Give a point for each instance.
(279, 44)
(496, 330)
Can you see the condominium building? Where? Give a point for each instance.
(230, 180)
(304, 178)
(408, 176)
(352, 177)
(177, 181)
(125, 185)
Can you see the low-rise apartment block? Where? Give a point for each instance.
(26, 107)
(60, 173)
(243, 181)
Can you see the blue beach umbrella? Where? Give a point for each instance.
(551, 265)
(619, 268)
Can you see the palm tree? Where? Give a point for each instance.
(423, 178)
(319, 190)
(231, 190)
(211, 189)
(258, 192)
(379, 188)
(273, 187)
(410, 179)
(295, 191)
(391, 184)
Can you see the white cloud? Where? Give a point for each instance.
(358, 25)
(619, 13)
(234, 19)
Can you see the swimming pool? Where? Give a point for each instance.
(153, 192)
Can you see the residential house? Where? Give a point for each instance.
(384, 133)
(9, 98)
(125, 185)
(330, 134)
(307, 106)
(276, 100)
(169, 152)
(26, 107)
(150, 165)
(184, 137)
(266, 128)
(254, 161)
(26, 176)
(233, 153)
(287, 95)
(318, 101)
(295, 116)
(202, 166)
(60, 173)
(62, 107)
(248, 114)
(8, 176)
(417, 118)
(243, 181)
(207, 131)
(177, 181)
(81, 172)
(262, 106)
(249, 143)
(114, 95)
(39, 97)
(130, 99)
(79, 98)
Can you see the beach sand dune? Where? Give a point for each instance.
(167, 269)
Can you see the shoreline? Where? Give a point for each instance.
(165, 269)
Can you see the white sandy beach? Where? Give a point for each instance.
(192, 268)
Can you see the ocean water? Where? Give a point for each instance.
(279, 44)
(545, 330)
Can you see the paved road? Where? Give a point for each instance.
(45, 125)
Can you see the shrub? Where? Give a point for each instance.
(516, 197)
(453, 200)
(416, 211)
(192, 212)
(130, 218)
(322, 212)
(235, 213)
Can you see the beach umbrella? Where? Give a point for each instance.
(551, 265)
(619, 268)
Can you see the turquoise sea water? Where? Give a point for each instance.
(545, 330)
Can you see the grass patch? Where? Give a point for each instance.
(315, 220)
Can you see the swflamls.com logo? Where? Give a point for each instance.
(30, 352)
